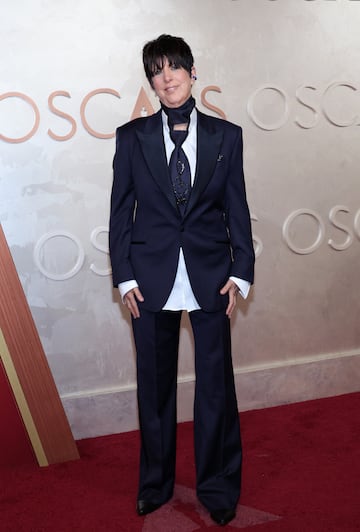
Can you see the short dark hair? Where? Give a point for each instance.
(174, 49)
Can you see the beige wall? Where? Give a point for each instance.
(287, 72)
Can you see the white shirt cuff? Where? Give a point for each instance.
(126, 286)
(244, 286)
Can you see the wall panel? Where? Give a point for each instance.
(286, 71)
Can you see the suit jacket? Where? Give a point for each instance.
(147, 229)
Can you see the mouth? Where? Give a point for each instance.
(170, 89)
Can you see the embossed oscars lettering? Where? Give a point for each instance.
(286, 231)
(294, 225)
(208, 105)
(143, 107)
(319, 237)
(39, 255)
(103, 248)
(46, 262)
(257, 120)
(44, 259)
(35, 127)
(84, 121)
(66, 116)
(58, 112)
(302, 101)
(301, 95)
(352, 121)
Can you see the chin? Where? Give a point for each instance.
(176, 102)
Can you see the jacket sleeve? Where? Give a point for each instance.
(121, 209)
(237, 215)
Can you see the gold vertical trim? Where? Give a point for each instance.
(21, 402)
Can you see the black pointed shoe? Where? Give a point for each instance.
(224, 516)
(144, 507)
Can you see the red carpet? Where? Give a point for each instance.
(15, 446)
(301, 474)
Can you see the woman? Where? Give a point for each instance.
(186, 246)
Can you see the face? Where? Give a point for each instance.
(173, 84)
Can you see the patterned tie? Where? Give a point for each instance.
(180, 170)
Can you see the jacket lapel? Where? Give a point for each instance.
(209, 143)
(152, 145)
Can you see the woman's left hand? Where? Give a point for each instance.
(232, 289)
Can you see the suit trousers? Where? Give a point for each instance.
(218, 453)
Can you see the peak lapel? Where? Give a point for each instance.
(152, 146)
(208, 147)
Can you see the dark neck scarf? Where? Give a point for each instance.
(179, 115)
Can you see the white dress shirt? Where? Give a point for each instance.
(181, 296)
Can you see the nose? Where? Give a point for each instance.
(167, 73)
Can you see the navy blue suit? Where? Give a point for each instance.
(146, 233)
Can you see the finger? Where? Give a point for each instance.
(131, 301)
(232, 299)
(232, 303)
(134, 309)
(132, 306)
(226, 287)
(138, 294)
